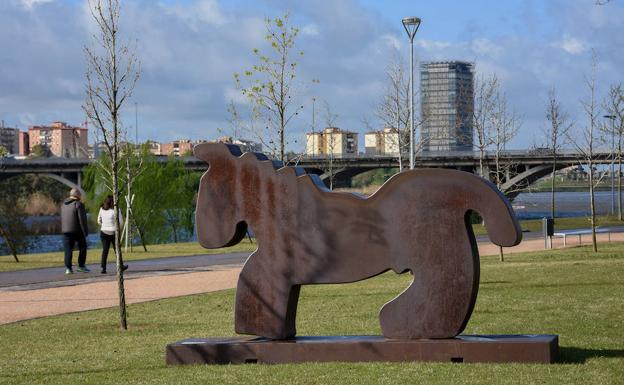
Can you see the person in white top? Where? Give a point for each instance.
(106, 220)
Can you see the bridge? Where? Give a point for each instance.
(522, 168)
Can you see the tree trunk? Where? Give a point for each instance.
(620, 179)
(500, 253)
(9, 242)
(592, 207)
(552, 190)
(175, 232)
(141, 235)
(481, 156)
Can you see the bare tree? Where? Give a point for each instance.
(505, 124)
(394, 109)
(614, 108)
(555, 133)
(112, 73)
(270, 86)
(485, 102)
(588, 141)
(330, 142)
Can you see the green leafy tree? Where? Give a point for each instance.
(3, 151)
(96, 181)
(13, 229)
(270, 86)
(39, 151)
(165, 200)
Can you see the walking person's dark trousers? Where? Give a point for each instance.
(69, 240)
(107, 241)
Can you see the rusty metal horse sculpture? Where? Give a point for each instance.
(418, 221)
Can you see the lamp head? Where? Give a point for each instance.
(411, 25)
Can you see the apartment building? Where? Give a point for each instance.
(332, 141)
(383, 142)
(60, 139)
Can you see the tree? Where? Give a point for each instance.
(39, 151)
(505, 124)
(164, 202)
(270, 86)
(330, 142)
(394, 109)
(3, 151)
(587, 142)
(486, 90)
(13, 230)
(111, 76)
(555, 133)
(96, 179)
(614, 108)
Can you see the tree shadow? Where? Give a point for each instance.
(573, 355)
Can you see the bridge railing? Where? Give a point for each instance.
(541, 152)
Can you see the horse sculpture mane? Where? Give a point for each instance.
(418, 221)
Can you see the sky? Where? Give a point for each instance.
(190, 49)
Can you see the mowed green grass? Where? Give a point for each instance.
(574, 293)
(34, 261)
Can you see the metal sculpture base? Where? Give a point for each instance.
(464, 348)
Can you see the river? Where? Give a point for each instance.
(526, 206)
(567, 204)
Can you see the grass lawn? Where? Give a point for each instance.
(33, 261)
(571, 292)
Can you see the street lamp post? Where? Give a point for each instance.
(612, 118)
(411, 25)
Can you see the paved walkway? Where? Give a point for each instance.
(44, 292)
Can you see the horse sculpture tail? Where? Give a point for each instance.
(441, 251)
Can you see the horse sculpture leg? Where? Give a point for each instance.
(439, 301)
(266, 301)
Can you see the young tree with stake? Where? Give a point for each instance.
(112, 73)
(555, 133)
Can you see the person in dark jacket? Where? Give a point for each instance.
(75, 230)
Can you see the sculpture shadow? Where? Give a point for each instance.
(574, 355)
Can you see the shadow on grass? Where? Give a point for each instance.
(572, 355)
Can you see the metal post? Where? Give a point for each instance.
(411, 25)
(412, 104)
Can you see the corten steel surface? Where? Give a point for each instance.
(512, 348)
(418, 221)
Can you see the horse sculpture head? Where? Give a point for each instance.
(218, 219)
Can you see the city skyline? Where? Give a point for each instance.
(188, 66)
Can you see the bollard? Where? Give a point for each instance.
(548, 230)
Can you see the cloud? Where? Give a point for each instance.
(30, 4)
(310, 30)
(485, 47)
(572, 45)
(198, 12)
(392, 41)
(432, 45)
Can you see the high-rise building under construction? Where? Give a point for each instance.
(447, 105)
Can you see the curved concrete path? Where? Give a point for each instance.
(44, 292)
